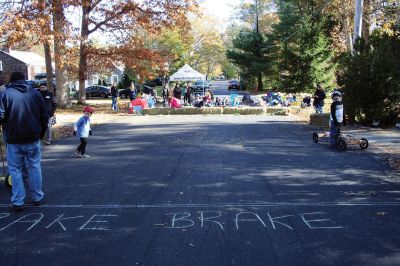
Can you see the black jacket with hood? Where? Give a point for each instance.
(23, 113)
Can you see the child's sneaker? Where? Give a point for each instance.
(85, 156)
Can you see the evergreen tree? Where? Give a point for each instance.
(250, 54)
(250, 46)
(305, 56)
(127, 77)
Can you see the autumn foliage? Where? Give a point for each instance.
(121, 26)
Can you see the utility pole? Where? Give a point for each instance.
(358, 16)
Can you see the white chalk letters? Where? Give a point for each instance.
(312, 220)
(33, 219)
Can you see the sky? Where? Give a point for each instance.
(222, 9)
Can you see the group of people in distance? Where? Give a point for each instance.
(173, 98)
(136, 97)
(185, 95)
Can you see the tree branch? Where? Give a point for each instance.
(121, 12)
(94, 4)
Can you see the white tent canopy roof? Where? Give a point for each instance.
(187, 73)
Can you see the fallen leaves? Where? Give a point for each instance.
(63, 131)
(393, 160)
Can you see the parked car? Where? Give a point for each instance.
(37, 83)
(34, 83)
(147, 89)
(97, 91)
(39, 76)
(43, 82)
(154, 82)
(200, 86)
(233, 85)
(124, 93)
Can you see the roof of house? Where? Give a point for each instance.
(119, 66)
(29, 58)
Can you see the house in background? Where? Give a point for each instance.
(28, 63)
(115, 75)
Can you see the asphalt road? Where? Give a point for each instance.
(206, 190)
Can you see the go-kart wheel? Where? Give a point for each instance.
(8, 181)
(315, 137)
(363, 143)
(341, 144)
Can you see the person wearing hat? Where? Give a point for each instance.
(82, 130)
(336, 118)
(24, 117)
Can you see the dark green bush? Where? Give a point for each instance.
(370, 80)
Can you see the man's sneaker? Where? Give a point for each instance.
(85, 156)
(78, 154)
(18, 208)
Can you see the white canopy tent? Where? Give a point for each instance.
(187, 73)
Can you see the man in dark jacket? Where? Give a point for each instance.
(319, 97)
(177, 91)
(114, 97)
(51, 105)
(24, 117)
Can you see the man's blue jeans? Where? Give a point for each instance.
(114, 104)
(319, 109)
(16, 154)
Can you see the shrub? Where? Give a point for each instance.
(371, 80)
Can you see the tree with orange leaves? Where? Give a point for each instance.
(118, 21)
(30, 23)
(26, 24)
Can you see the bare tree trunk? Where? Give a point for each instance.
(347, 32)
(358, 18)
(259, 82)
(366, 20)
(59, 51)
(82, 74)
(47, 53)
(49, 67)
(208, 69)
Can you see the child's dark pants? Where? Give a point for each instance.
(81, 148)
(334, 134)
